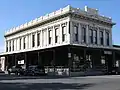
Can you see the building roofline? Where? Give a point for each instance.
(58, 13)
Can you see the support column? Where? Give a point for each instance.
(15, 59)
(54, 60)
(38, 57)
(84, 55)
(25, 61)
(113, 59)
(69, 60)
(6, 63)
(13, 63)
(79, 33)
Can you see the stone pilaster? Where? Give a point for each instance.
(35, 39)
(104, 38)
(98, 36)
(79, 33)
(60, 36)
(87, 34)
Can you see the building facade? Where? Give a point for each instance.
(67, 40)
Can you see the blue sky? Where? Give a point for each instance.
(16, 12)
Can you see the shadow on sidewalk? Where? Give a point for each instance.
(43, 86)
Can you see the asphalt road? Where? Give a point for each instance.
(58, 83)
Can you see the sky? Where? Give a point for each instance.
(17, 12)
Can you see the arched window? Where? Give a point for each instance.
(90, 36)
(50, 36)
(13, 45)
(33, 40)
(56, 35)
(107, 38)
(76, 32)
(63, 33)
(101, 37)
(24, 42)
(95, 36)
(83, 34)
(38, 39)
(9, 45)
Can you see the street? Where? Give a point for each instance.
(52, 83)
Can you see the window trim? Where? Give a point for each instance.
(76, 34)
(63, 34)
(83, 34)
(101, 36)
(56, 36)
(107, 34)
(33, 40)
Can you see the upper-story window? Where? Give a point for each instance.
(50, 36)
(56, 35)
(9, 45)
(83, 34)
(95, 36)
(63, 33)
(101, 37)
(76, 32)
(6, 46)
(107, 38)
(38, 39)
(24, 42)
(20, 42)
(33, 40)
(91, 36)
(13, 45)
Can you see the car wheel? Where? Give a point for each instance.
(33, 74)
(16, 73)
(9, 72)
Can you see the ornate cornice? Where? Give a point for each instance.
(94, 20)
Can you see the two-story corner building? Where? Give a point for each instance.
(69, 38)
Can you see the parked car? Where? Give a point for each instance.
(35, 70)
(17, 70)
(113, 71)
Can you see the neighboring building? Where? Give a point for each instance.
(69, 38)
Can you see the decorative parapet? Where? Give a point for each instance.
(88, 12)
